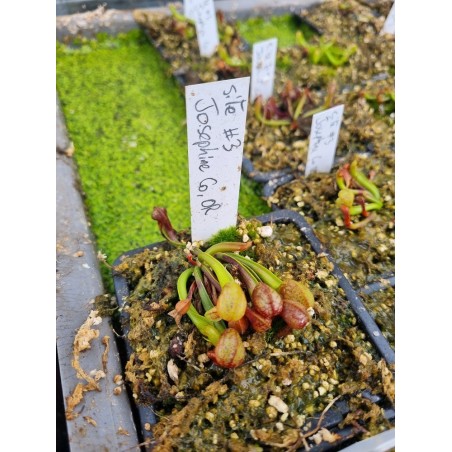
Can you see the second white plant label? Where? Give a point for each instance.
(323, 140)
(389, 25)
(203, 13)
(263, 69)
(216, 119)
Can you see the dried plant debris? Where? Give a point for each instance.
(90, 420)
(275, 397)
(73, 400)
(106, 342)
(82, 342)
(123, 431)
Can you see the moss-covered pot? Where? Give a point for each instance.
(364, 255)
(275, 397)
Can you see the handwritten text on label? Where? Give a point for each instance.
(323, 140)
(263, 70)
(203, 13)
(216, 117)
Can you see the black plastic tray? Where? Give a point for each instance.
(373, 332)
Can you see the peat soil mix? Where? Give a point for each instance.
(261, 379)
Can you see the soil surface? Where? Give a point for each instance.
(381, 305)
(363, 254)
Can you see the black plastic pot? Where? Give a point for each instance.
(380, 281)
(265, 177)
(271, 185)
(374, 334)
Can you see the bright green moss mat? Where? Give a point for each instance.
(125, 116)
(282, 27)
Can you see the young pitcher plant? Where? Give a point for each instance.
(293, 107)
(357, 196)
(232, 307)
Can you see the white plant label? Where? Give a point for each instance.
(323, 140)
(203, 13)
(389, 25)
(216, 118)
(263, 70)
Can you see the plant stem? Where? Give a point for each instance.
(211, 277)
(224, 247)
(206, 327)
(182, 283)
(360, 224)
(313, 111)
(264, 273)
(205, 299)
(268, 122)
(231, 60)
(247, 277)
(363, 180)
(178, 16)
(357, 210)
(340, 182)
(300, 106)
(222, 274)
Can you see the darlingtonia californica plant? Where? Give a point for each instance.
(357, 196)
(232, 307)
(325, 52)
(292, 107)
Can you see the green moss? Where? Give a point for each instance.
(125, 116)
(225, 235)
(281, 27)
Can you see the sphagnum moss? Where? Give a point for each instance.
(125, 116)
